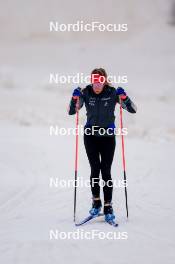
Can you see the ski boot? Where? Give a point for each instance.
(109, 214)
(96, 207)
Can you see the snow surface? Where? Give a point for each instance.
(29, 156)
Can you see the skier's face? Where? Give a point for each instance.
(98, 87)
(98, 82)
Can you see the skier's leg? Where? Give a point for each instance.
(92, 150)
(107, 149)
(107, 153)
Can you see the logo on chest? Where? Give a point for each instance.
(92, 101)
(105, 100)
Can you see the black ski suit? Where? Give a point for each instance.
(100, 148)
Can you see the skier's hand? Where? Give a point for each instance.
(76, 93)
(121, 93)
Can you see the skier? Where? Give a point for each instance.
(100, 100)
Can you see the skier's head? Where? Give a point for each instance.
(98, 79)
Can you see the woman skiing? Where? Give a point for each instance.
(99, 134)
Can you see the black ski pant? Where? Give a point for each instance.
(100, 151)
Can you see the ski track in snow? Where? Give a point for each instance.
(29, 214)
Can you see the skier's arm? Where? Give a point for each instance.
(129, 105)
(125, 101)
(77, 93)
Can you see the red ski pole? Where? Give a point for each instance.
(123, 156)
(76, 157)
